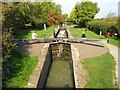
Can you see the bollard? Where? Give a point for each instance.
(108, 41)
(76, 35)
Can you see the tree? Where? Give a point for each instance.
(84, 12)
(73, 14)
(54, 15)
(57, 8)
(54, 18)
(65, 16)
(111, 14)
(18, 14)
(112, 18)
(7, 45)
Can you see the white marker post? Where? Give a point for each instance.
(100, 33)
(44, 26)
(44, 30)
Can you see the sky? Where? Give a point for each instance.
(106, 6)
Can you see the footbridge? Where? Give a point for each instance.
(52, 40)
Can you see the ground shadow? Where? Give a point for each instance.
(13, 66)
(23, 48)
(97, 45)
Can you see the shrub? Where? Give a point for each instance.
(104, 26)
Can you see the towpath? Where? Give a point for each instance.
(115, 52)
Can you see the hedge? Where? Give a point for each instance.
(104, 26)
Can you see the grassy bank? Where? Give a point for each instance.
(114, 42)
(40, 33)
(92, 35)
(20, 70)
(100, 71)
(89, 34)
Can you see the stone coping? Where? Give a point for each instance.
(34, 77)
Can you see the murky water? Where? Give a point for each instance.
(60, 74)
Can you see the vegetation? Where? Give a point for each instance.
(36, 14)
(65, 16)
(104, 25)
(89, 34)
(114, 41)
(92, 35)
(84, 12)
(40, 33)
(17, 15)
(100, 71)
(108, 24)
(20, 68)
(54, 18)
(7, 45)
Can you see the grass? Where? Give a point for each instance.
(40, 33)
(20, 70)
(114, 42)
(100, 71)
(89, 34)
(49, 32)
(92, 35)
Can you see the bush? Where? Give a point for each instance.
(104, 26)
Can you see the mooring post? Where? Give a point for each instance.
(76, 35)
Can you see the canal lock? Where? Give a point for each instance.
(57, 71)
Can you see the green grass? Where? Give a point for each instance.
(89, 34)
(100, 71)
(40, 33)
(92, 35)
(114, 42)
(20, 70)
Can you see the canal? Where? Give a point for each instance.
(60, 74)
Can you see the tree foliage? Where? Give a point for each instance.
(54, 18)
(73, 15)
(65, 16)
(7, 45)
(106, 24)
(84, 12)
(17, 15)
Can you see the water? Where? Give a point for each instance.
(60, 74)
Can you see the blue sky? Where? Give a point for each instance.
(106, 6)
